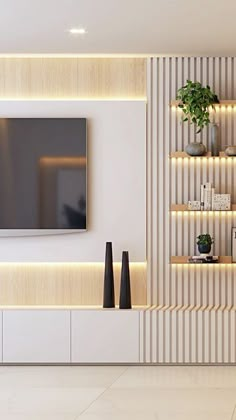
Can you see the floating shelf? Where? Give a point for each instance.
(224, 102)
(184, 209)
(184, 260)
(184, 155)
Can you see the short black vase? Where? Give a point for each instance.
(125, 292)
(108, 292)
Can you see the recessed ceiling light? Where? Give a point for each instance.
(78, 31)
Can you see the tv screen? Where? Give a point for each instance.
(43, 164)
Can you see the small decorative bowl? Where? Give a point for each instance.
(230, 151)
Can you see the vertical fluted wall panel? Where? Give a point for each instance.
(193, 318)
(185, 335)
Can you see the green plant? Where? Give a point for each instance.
(195, 101)
(205, 239)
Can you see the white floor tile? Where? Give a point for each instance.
(148, 415)
(53, 401)
(59, 376)
(233, 417)
(34, 416)
(122, 415)
(164, 400)
(117, 393)
(177, 377)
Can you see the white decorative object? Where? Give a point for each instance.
(212, 197)
(194, 205)
(206, 193)
(221, 202)
(234, 244)
(230, 151)
(207, 196)
(202, 198)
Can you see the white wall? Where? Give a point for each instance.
(116, 183)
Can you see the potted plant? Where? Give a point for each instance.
(195, 100)
(204, 242)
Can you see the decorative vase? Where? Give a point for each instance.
(125, 293)
(204, 248)
(215, 146)
(108, 292)
(230, 151)
(195, 149)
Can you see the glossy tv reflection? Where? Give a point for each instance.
(43, 167)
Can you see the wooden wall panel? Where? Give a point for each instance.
(64, 284)
(188, 335)
(178, 180)
(48, 77)
(68, 78)
(193, 307)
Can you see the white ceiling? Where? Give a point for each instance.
(195, 27)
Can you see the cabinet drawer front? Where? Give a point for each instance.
(36, 336)
(105, 336)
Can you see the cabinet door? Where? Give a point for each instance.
(0, 336)
(109, 336)
(36, 336)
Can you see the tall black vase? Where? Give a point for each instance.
(125, 292)
(108, 292)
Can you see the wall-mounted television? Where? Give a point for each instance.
(43, 174)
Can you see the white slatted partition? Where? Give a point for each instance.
(192, 319)
(202, 335)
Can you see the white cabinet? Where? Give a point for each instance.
(107, 336)
(36, 336)
(0, 337)
(69, 336)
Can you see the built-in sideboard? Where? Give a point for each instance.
(69, 336)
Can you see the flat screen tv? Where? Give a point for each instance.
(43, 167)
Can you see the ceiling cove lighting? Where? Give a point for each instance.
(77, 31)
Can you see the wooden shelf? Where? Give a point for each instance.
(184, 260)
(224, 102)
(184, 208)
(184, 155)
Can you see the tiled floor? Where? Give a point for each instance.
(117, 393)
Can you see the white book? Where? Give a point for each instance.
(202, 197)
(207, 196)
(199, 257)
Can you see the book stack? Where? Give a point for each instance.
(203, 259)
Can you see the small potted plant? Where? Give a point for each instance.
(195, 100)
(204, 242)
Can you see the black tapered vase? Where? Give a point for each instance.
(125, 292)
(108, 292)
